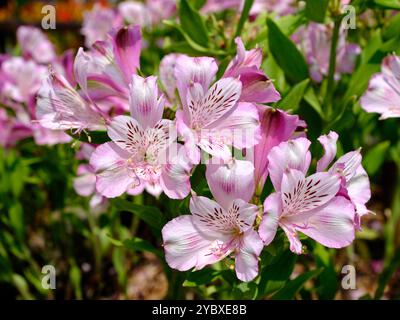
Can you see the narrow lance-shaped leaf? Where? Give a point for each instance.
(192, 23)
(286, 54)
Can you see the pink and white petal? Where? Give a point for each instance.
(291, 233)
(292, 154)
(347, 164)
(270, 221)
(136, 189)
(211, 219)
(127, 133)
(219, 101)
(175, 176)
(154, 189)
(359, 191)
(276, 126)
(107, 156)
(186, 248)
(231, 181)
(329, 144)
(113, 175)
(246, 260)
(381, 97)
(257, 87)
(331, 225)
(189, 70)
(85, 184)
(127, 42)
(114, 181)
(145, 105)
(167, 73)
(217, 149)
(243, 214)
(300, 194)
(242, 127)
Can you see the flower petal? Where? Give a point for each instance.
(329, 144)
(292, 154)
(127, 42)
(231, 181)
(331, 225)
(246, 261)
(186, 248)
(145, 106)
(270, 221)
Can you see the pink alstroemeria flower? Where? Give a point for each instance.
(61, 107)
(35, 45)
(167, 74)
(216, 229)
(21, 79)
(212, 118)
(276, 126)
(256, 86)
(279, 7)
(325, 206)
(106, 70)
(143, 152)
(315, 42)
(85, 183)
(383, 94)
(98, 22)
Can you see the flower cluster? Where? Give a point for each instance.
(21, 78)
(221, 122)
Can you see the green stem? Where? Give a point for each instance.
(243, 17)
(96, 245)
(328, 101)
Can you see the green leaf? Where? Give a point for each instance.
(151, 215)
(192, 23)
(243, 18)
(392, 29)
(75, 278)
(290, 290)
(385, 4)
(387, 274)
(16, 214)
(204, 276)
(292, 99)
(274, 276)
(313, 101)
(316, 10)
(137, 244)
(375, 157)
(97, 137)
(286, 54)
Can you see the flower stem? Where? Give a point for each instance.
(328, 101)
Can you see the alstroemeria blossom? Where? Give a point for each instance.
(143, 152)
(215, 230)
(106, 70)
(309, 205)
(383, 94)
(256, 86)
(326, 206)
(35, 45)
(315, 41)
(98, 22)
(60, 107)
(276, 126)
(21, 79)
(212, 118)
